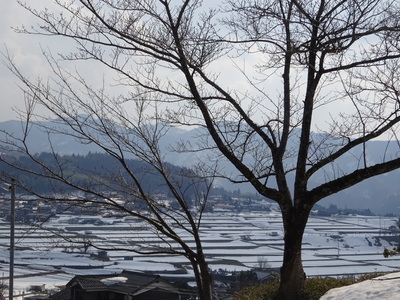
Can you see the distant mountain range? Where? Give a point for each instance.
(380, 194)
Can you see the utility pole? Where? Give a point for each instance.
(12, 241)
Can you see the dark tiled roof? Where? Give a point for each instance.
(134, 282)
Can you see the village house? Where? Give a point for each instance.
(124, 286)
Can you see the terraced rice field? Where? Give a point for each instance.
(339, 245)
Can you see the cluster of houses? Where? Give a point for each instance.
(29, 210)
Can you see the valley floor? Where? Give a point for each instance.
(332, 246)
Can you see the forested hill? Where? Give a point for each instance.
(98, 171)
(380, 194)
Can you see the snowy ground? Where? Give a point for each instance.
(332, 246)
(383, 288)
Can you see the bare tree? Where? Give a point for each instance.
(121, 189)
(262, 263)
(306, 56)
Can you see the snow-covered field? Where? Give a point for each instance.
(334, 246)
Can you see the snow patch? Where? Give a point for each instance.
(113, 280)
(386, 287)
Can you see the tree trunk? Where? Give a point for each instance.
(207, 282)
(203, 278)
(292, 273)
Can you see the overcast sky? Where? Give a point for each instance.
(24, 49)
(26, 53)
